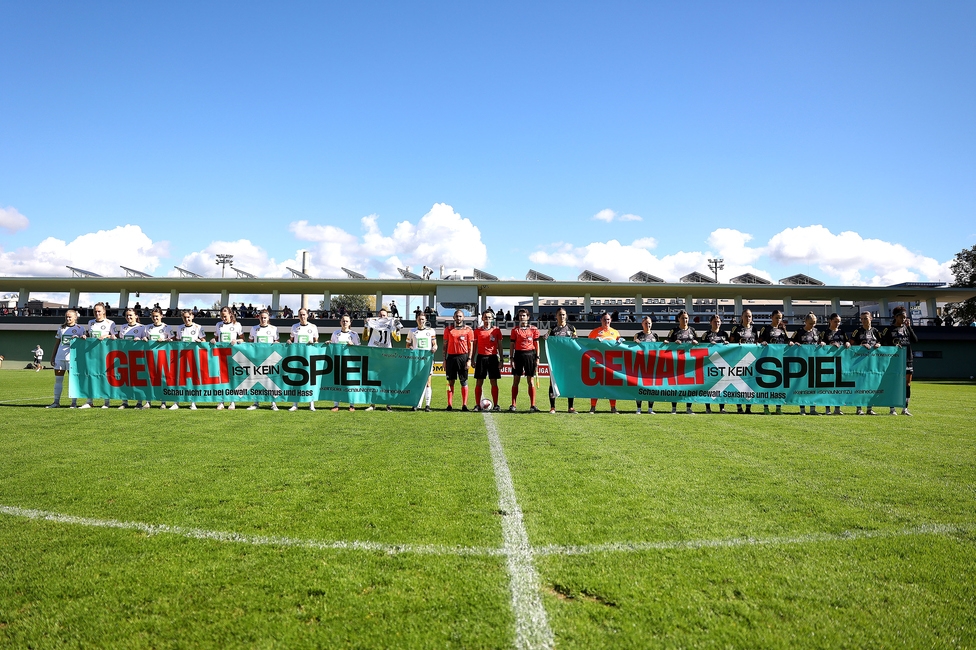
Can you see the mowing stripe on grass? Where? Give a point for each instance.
(734, 542)
(255, 540)
(531, 622)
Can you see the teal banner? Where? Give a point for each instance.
(728, 374)
(211, 372)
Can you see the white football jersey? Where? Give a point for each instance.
(349, 337)
(228, 332)
(64, 336)
(161, 333)
(422, 339)
(102, 330)
(190, 333)
(130, 332)
(267, 334)
(304, 333)
(382, 331)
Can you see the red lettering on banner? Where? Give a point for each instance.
(161, 365)
(613, 365)
(222, 354)
(699, 355)
(188, 369)
(116, 369)
(204, 364)
(665, 368)
(641, 366)
(591, 368)
(680, 376)
(137, 360)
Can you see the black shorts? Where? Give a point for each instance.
(486, 367)
(524, 363)
(456, 367)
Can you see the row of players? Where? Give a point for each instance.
(466, 348)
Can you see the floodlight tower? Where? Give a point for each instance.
(223, 261)
(716, 265)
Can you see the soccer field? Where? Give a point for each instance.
(407, 530)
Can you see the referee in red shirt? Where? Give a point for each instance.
(524, 353)
(458, 340)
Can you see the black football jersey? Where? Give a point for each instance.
(641, 337)
(868, 337)
(837, 337)
(742, 334)
(565, 330)
(682, 336)
(902, 337)
(775, 335)
(804, 337)
(708, 336)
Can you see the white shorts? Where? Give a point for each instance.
(61, 364)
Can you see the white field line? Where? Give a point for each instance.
(25, 399)
(476, 551)
(254, 540)
(531, 622)
(735, 542)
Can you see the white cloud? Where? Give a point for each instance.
(852, 259)
(731, 246)
(11, 220)
(645, 242)
(100, 252)
(441, 236)
(619, 261)
(607, 215)
(847, 258)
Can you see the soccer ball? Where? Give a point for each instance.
(486, 404)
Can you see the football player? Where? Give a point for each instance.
(524, 354)
(682, 334)
(99, 328)
(62, 354)
(303, 332)
(867, 337)
(645, 336)
(561, 328)
(264, 332)
(487, 361)
(458, 340)
(901, 335)
(422, 337)
(344, 336)
(605, 333)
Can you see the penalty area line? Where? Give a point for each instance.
(253, 540)
(531, 621)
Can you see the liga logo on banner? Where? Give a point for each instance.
(207, 372)
(735, 374)
(541, 370)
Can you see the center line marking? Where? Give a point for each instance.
(531, 621)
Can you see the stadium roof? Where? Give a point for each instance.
(590, 276)
(699, 278)
(352, 274)
(243, 274)
(295, 273)
(484, 275)
(749, 278)
(187, 274)
(918, 284)
(802, 280)
(194, 284)
(533, 275)
(641, 276)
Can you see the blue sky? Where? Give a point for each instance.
(834, 139)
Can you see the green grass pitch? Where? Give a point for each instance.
(261, 529)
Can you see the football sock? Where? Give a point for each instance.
(450, 396)
(570, 400)
(427, 394)
(531, 394)
(514, 394)
(59, 387)
(477, 395)
(552, 397)
(592, 404)
(613, 403)
(494, 394)
(464, 395)
(908, 394)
